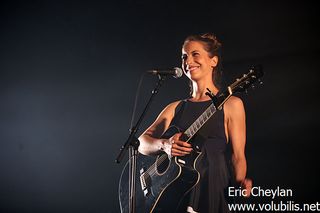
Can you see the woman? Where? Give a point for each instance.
(224, 131)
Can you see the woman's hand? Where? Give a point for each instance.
(178, 147)
(246, 184)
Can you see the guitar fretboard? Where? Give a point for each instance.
(201, 120)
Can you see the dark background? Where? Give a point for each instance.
(69, 71)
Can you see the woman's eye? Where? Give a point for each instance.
(184, 57)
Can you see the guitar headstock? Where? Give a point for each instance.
(247, 80)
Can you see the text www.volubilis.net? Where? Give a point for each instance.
(272, 206)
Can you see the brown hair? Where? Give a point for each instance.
(213, 47)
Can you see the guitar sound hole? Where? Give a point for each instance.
(162, 163)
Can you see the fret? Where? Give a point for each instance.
(198, 124)
(197, 127)
(208, 114)
(201, 120)
(187, 133)
(205, 116)
(194, 129)
(213, 109)
(191, 131)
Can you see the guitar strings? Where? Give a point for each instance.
(153, 166)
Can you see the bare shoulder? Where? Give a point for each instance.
(169, 110)
(234, 105)
(173, 105)
(233, 102)
(163, 120)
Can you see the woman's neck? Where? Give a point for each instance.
(200, 89)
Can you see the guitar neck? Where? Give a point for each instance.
(206, 115)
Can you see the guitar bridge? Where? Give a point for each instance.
(144, 179)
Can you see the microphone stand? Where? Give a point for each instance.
(132, 144)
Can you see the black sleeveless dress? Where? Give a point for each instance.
(210, 194)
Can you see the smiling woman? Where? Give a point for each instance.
(205, 153)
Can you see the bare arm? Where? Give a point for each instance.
(236, 131)
(150, 141)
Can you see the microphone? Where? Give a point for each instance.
(176, 72)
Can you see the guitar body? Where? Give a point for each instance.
(161, 183)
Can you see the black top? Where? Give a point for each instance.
(209, 195)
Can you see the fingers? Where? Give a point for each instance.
(176, 140)
(180, 148)
(247, 184)
(176, 136)
(178, 153)
(180, 145)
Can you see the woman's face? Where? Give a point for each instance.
(196, 62)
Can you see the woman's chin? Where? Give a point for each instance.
(195, 76)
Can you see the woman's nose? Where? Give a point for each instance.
(188, 61)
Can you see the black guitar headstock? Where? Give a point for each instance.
(247, 80)
(240, 85)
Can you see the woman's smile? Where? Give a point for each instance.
(192, 68)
